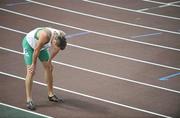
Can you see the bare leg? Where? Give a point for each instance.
(28, 84)
(49, 77)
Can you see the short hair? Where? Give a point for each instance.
(61, 42)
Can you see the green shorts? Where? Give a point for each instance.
(28, 53)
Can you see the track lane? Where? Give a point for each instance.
(97, 91)
(39, 76)
(75, 106)
(172, 11)
(120, 15)
(135, 51)
(115, 71)
(94, 32)
(131, 10)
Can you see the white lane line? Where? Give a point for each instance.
(163, 3)
(124, 57)
(93, 32)
(157, 2)
(102, 18)
(7, 105)
(106, 53)
(146, 35)
(18, 3)
(131, 10)
(169, 4)
(13, 30)
(145, 9)
(92, 97)
(161, 6)
(101, 73)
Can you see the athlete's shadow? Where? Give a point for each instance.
(76, 104)
(44, 104)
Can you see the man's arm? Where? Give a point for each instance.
(36, 52)
(41, 41)
(54, 52)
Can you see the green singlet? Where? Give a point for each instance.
(28, 53)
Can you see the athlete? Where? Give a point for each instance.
(36, 45)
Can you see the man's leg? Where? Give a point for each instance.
(28, 52)
(28, 84)
(48, 68)
(49, 77)
(48, 72)
(44, 57)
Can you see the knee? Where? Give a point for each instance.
(48, 67)
(30, 75)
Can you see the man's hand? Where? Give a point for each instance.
(32, 68)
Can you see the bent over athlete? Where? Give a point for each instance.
(35, 45)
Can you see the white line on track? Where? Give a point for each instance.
(92, 97)
(170, 4)
(17, 3)
(101, 73)
(163, 3)
(146, 9)
(161, 6)
(131, 10)
(105, 53)
(102, 18)
(93, 32)
(7, 105)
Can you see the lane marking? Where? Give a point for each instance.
(102, 18)
(170, 4)
(106, 53)
(92, 97)
(94, 32)
(18, 3)
(76, 34)
(145, 9)
(131, 10)
(101, 73)
(146, 35)
(35, 113)
(161, 6)
(163, 3)
(13, 30)
(154, 1)
(169, 76)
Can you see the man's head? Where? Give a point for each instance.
(60, 39)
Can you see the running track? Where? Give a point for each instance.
(122, 59)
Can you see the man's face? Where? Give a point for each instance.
(55, 43)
